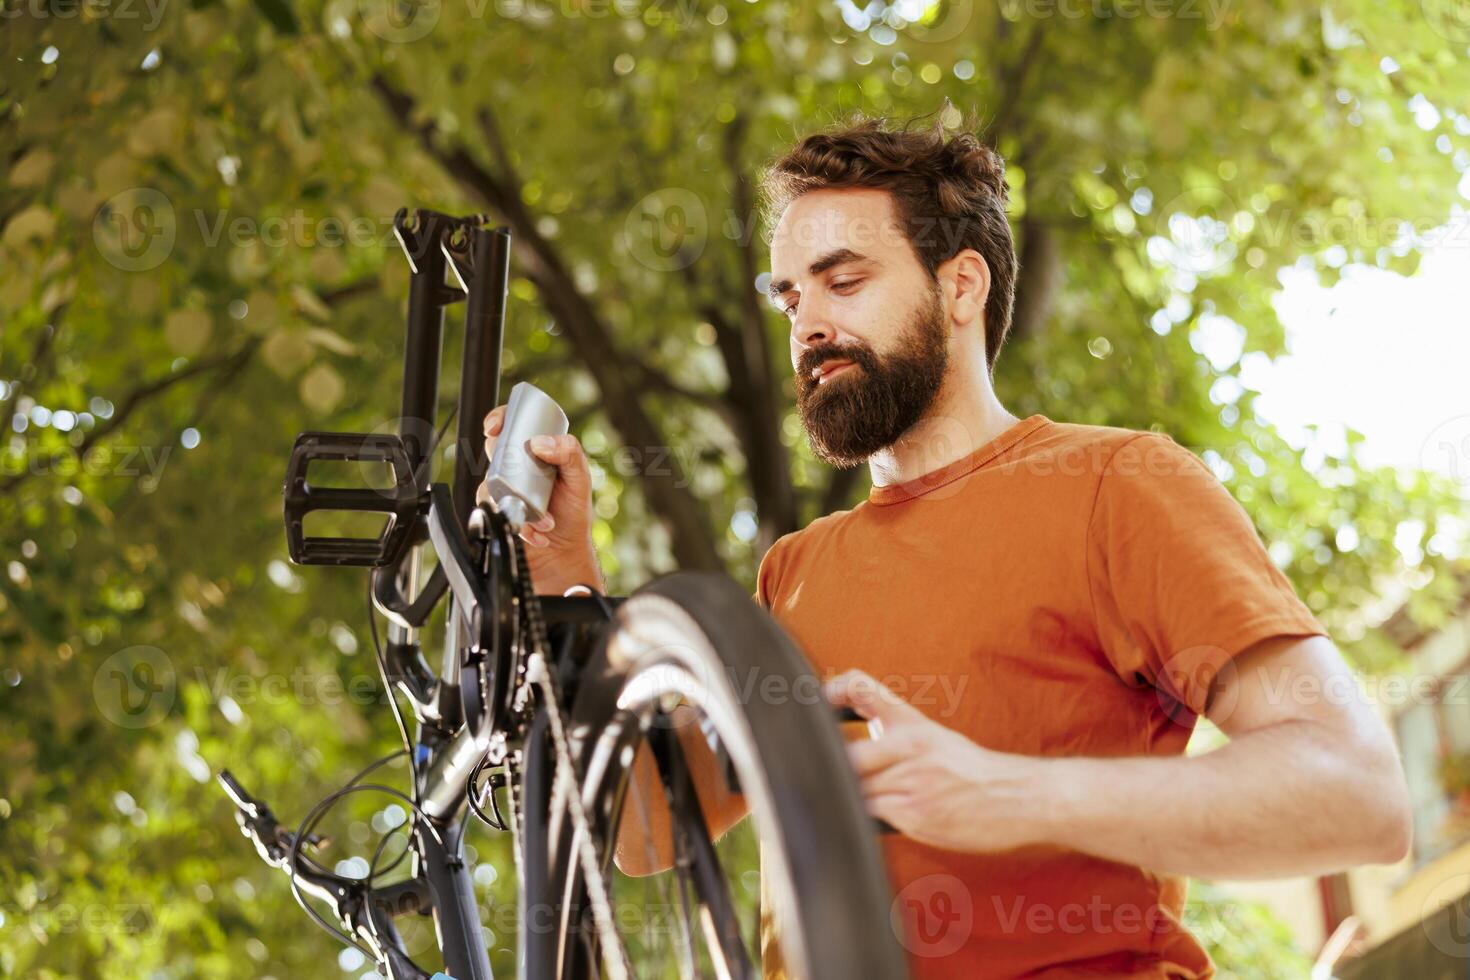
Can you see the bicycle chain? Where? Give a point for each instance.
(536, 668)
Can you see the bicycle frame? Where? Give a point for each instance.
(467, 711)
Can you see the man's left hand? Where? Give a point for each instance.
(934, 784)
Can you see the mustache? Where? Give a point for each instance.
(857, 355)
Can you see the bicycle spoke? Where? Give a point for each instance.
(694, 850)
(567, 789)
(650, 850)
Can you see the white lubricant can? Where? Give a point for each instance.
(520, 485)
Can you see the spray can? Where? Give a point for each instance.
(520, 485)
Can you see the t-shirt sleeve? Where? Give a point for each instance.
(1179, 580)
(766, 576)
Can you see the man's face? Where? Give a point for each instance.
(844, 273)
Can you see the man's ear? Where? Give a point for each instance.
(966, 275)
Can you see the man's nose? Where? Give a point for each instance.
(811, 325)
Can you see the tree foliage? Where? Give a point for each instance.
(198, 263)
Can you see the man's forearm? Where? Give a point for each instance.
(555, 580)
(645, 838)
(1276, 802)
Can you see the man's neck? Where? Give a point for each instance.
(964, 417)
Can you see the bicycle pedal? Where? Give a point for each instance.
(402, 502)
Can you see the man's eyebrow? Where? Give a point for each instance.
(834, 257)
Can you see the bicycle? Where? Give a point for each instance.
(550, 698)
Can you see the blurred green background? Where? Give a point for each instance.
(196, 262)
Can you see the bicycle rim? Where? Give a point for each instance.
(697, 636)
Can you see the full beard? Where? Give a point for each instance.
(869, 406)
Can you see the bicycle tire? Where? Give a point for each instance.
(816, 838)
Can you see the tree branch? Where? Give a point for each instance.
(658, 380)
(144, 393)
(839, 489)
(341, 294)
(534, 367)
(1010, 84)
(31, 371)
(667, 490)
(744, 341)
(1038, 278)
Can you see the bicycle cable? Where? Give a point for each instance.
(315, 817)
(377, 641)
(382, 661)
(319, 812)
(294, 857)
(498, 823)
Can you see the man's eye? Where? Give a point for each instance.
(790, 310)
(846, 283)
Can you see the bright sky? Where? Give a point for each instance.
(1384, 354)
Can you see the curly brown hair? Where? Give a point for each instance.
(949, 193)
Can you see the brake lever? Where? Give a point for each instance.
(847, 714)
(257, 823)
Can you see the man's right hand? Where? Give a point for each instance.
(559, 547)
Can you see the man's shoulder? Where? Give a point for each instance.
(1074, 434)
(1079, 449)
(789, 547)
(796, 540)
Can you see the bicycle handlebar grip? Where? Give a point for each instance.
(238, 796)
(846, 714)
(520, 485)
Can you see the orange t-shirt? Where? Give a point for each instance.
(1065, 590)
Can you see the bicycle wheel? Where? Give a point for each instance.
(697, 638)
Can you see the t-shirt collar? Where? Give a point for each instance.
(897, 492)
